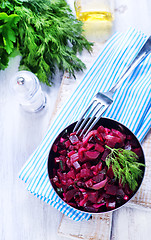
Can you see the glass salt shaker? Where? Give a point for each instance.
(28, 91)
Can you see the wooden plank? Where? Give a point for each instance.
(97, 228)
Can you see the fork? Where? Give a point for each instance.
(102, 100)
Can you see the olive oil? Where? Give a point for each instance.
(97, 18)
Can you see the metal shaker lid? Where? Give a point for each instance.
(24, 83)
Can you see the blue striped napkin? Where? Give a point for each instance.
(132, 107)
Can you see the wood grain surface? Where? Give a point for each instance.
(99, 227)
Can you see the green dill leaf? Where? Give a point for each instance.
(125, 166)
(61, 164)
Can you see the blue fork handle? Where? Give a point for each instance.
(143, 53)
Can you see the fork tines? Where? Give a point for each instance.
(90, 116)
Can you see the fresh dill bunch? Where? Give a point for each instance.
(48, 36)
(125, 166)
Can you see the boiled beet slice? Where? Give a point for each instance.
(67, 143)
(111, 189)
(62, 139)
(89, 183)
(74, 139)
(91, 154)
(133, 143)
(99, 148)
(55, 148)
(138, 152)
(101, 129)
(63, 152)
(111, 141)
(90, 146)
(76, 165)
(64, 182)
(98, 178)
(105, 154)
(101, 197)
(70, 194)
(107, 131)
(120, 193)
(70, 182)
(71, 147)
(117, 133)
(69, 154)
(96, 169)
(127, 189)
(89, 135)
(86, 165)
(74, 158)
(99, 166)
(71, 174)
(92, 196)
(79, 184)
(110, 173)
(84, 200)
(78, 177)
(85, 172)
(68, 163)
(100, 137)
(81, 152)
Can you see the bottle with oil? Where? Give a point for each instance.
(97, 16)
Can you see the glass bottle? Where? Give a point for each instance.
(97, 16)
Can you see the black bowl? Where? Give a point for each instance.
(108, 123)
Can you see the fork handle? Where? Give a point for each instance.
(143, 53)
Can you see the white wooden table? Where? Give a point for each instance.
(22, 216)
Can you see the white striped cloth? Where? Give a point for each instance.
(131, 106)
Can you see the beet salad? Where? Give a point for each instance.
(99, 172)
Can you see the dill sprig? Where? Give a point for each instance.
(125, 166)
(45, 33)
